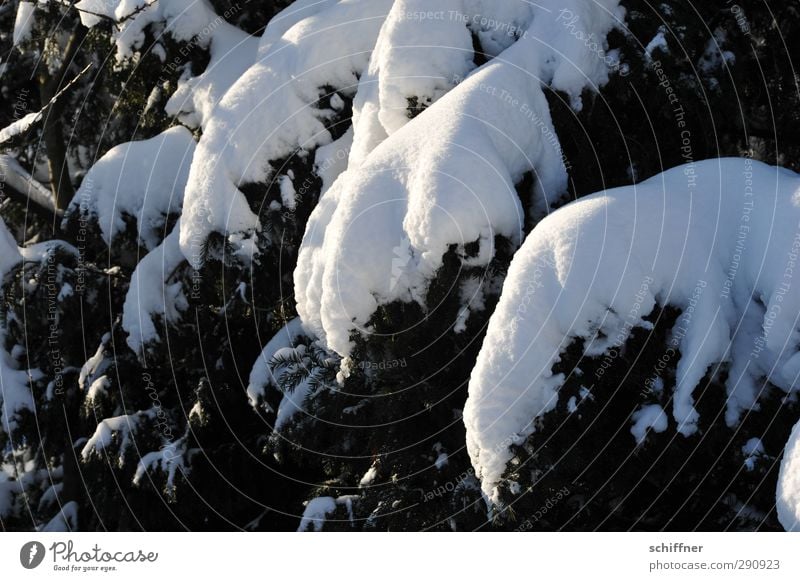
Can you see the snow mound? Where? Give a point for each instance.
(648, 417)
(718, 239)
(787, 501)
(270, 113)
(144, 180)
(318, 509)
(448, 176)
(232, 52)
(152, 294)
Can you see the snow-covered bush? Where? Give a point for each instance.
(719, 241)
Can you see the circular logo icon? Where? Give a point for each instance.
(31, 554)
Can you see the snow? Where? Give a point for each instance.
(292, 403)
(119, 429)
(316, 512)
(787, 501)
(318, 509)
(50, 496)
(659, 41)
(23, 25)
(9, 251)
(572, 404)
(294, 13)
(420, 58)
(65, 521)
(606, 260)
(141, 179)
(21, 125)
(231, 50)
(261, 374)
(169, 459)
(185, 20)
(96, 365)
(288, 194)
(15, 176)
(152, 294)
(752, 449)
(444, 178)
(269, 113)
(15, 394)
(98, 388)
(281, 358)
(8, 490)
(331, 160)
(369, 476)
(232, 53)
(648, 417)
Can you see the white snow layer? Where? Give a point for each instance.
(648, 417)
(141, 179)
(15, 176)
(66, 520)
(318, 509)
(269, 113)
(447, 176)
(10, 255)
(184, 20)
(261, 374)
(23, 24)
(152, 294)
(787, 501)
(232, 53)
(718, 239)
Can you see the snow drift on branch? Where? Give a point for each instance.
(448, 176)
(269, 114)
(231, 50)
(261, 376)
(143, 180)
(153, 294)
(718, 239)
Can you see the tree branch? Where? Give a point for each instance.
(24, 187)
(11, 137)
